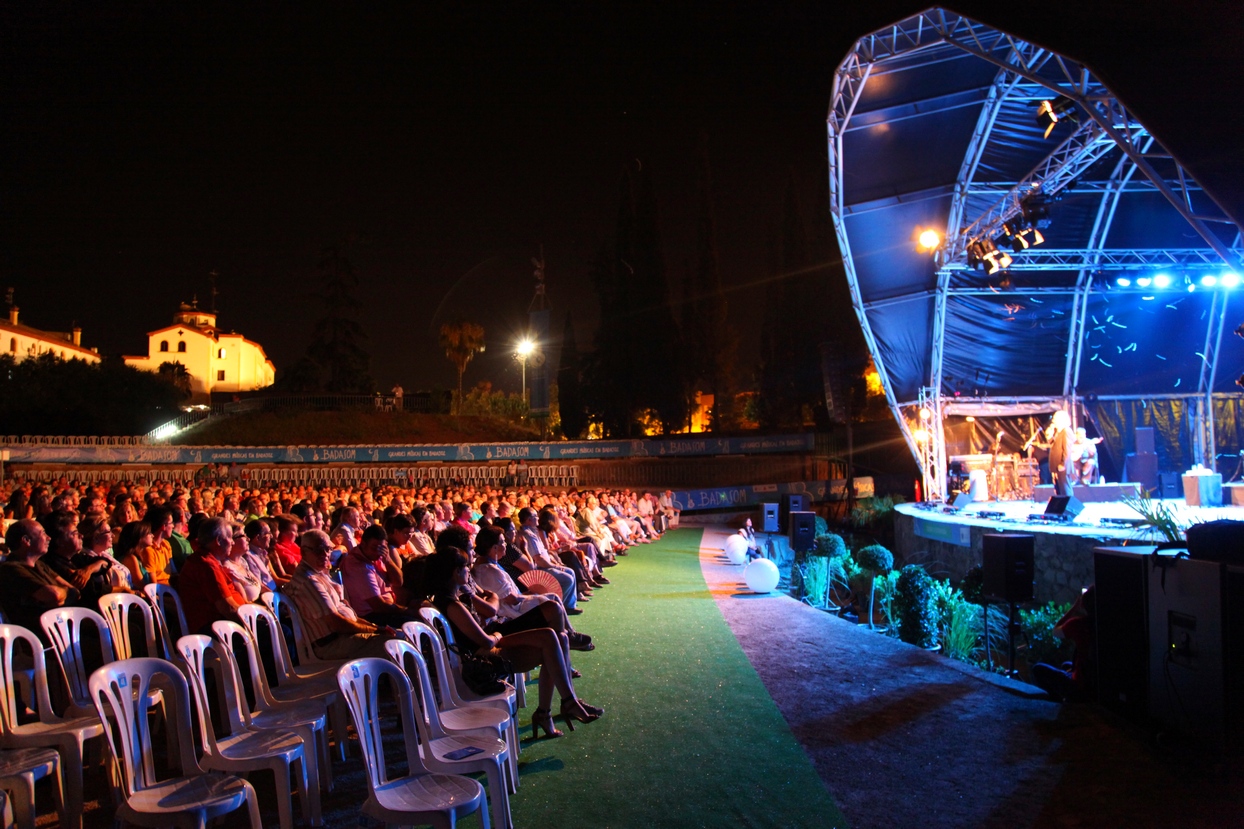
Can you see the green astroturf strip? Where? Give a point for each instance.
(690, 736)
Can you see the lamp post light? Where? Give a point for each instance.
(524, 350)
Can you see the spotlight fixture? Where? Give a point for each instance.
(1161, 281)
(929, 240)
(1229, 279)
(1239, 331)
(1123, 282)
(1049, 113)
(1035, 209)
(1239, 381)
(1143, 282)
(1209, 280)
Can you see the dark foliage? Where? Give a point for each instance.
(48, 396)
(914, 606)
(570, 403)
(336, 360)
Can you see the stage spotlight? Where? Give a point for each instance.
(925, 414)
(1209, 280)
(929, 240)
(1143, 282)
(920, 435)
(1230, 279)
(1239, 381)
(1239, 330)
(1161, 281)
(1123, 282)
(1050, 113)
(1035, 209)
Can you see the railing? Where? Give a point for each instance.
(75, 440)
(423, 402)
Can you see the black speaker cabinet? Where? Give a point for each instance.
(1009, 567)
(769, 518)
(1141, 468)
(802, 531)
(791, 502)
(1064, 505)
(1121, 576)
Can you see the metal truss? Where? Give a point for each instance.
(1026, 72)
(1111, 259)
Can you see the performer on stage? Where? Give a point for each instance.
(1059, 435)
(1084, 457)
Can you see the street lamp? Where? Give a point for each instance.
(524, 350)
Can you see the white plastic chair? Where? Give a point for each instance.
(120, 692)
(456, 713)
(436, 620)
(313, 701)
(19, 769)
(421, 796)
(308, 663)
(166, 601)
(117, 609)
(249, 749)
(67, 736)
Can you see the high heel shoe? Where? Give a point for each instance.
(543, 718)
(574, 709)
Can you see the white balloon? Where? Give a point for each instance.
(761, 575)
(736, 549)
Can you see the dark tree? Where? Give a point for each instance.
(570, 404)
(45, 395)
(337, 340)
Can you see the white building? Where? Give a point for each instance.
(217, 362)
(22, 341)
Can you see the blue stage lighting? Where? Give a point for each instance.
(1230, 280)
(1144, 282)
(1123, 282)
(1161, 281)
(1209, 280)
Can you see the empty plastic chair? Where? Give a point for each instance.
(67, 736)
(19, 769)
(421, 796)
(120, 692)
(248, 749)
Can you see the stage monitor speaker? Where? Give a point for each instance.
(802, 531)
(769, 520)
(791, 502)
(1144, 440)
(1065, 505)
(1170, 485)
(1009, 567)
(1121, 611)
(1141, 468)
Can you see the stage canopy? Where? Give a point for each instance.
(1075, 258)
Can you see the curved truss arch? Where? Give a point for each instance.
(933, 124)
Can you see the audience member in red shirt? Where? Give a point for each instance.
(207, 592)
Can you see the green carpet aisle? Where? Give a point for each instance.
(690, 738)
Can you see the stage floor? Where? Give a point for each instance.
(1093, 520)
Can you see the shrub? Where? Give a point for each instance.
(917, 615)
(1038, 627)
(814, 573)
(822, 526)
(973, 585)
(875, 560)
(885, 585)
(830, 545)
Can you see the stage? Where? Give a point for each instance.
(948, 541)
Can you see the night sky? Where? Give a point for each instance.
(144, 145)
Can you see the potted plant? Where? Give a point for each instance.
(873, 560)
(915, 607)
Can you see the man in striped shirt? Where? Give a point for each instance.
(335, 630)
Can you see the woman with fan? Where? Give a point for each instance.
(541, 647)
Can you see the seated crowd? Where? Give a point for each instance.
(355, 563)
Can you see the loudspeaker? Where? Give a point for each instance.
(769, 518)
(1121, 613)
(1009, 567)
(1141, 468)
(1170, 485)
(1144, 440)
(791, 502)
(802, 531)
(1065, 505)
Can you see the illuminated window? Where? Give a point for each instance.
(164, 345)
(221, 354)
(220, 376)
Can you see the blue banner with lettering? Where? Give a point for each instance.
(690, 500)
(456, 453)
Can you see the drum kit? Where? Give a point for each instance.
(1000, 477)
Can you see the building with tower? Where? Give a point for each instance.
(217, 361)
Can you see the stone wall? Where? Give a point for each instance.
(1064, 562)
